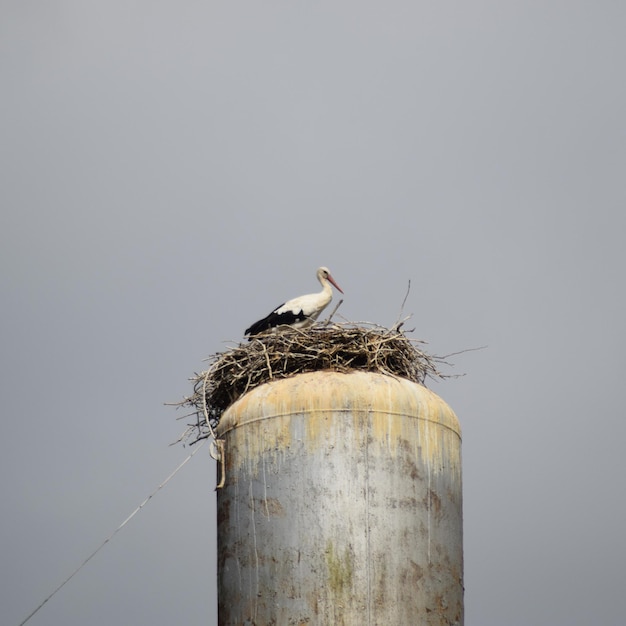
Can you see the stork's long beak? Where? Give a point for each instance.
(332, 280)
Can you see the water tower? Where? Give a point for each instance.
(341, 501)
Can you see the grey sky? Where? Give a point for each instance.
(172, 171)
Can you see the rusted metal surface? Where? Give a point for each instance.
(341, 506)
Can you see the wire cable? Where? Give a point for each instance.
(67, 580)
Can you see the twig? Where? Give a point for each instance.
(330, 317)
(445, 356)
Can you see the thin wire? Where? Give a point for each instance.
(167, 480)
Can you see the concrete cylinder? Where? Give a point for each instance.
(342, 505)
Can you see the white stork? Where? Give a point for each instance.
(302, 311)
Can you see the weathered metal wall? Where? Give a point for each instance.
(341, 505)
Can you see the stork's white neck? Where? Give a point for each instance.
(327, 289)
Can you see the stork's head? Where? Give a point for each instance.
(323, 273)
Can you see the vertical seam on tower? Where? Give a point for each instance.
(367, 514)
(256, 555)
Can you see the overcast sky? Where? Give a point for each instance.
(170, 171)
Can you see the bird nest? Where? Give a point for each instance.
(288, 351)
